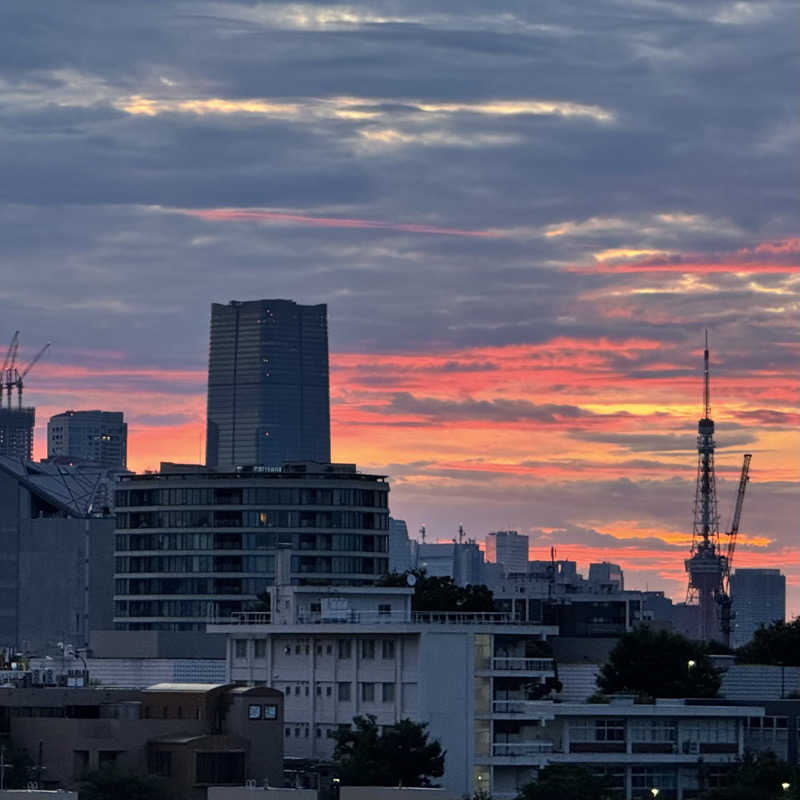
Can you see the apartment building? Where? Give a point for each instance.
(343, 651)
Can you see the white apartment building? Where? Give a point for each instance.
(480, 681)
(337, 652)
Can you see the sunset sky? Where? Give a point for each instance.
(522, 218)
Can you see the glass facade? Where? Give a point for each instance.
(191, 546)
(268, 397)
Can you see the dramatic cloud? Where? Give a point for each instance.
(522, 219)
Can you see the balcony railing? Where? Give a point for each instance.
(519, 749)
(505, 664)
(533, 707)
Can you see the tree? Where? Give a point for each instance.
(760, 775)
(566, 782)
(441, 593)
(778, 643)
(110, 784)
(659, 664)
(401, 755)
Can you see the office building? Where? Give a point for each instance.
(463, 562)
(509, 549)
(96, 437)
(399, 546)
(268, 397)
(195, 545)
(16, 432)
(759, 598)
(606, 577)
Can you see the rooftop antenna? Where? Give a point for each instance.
(422, 533)
(460, 534)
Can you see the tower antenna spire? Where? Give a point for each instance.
(706, 383)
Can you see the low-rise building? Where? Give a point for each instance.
(192, 735)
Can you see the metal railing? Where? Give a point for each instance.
(518, 749)
(513, 664)
(533, 707)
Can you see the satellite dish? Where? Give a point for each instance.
(411, 580)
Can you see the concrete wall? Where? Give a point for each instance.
(386, 793)
(446, 703)
(156, 644)
(52, 554)
(259, 793)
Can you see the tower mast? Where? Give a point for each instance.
(706, 565)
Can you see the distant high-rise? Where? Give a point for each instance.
(759, 598)
(268, 397)
(99, 437)
(508, 548)
(16, 432)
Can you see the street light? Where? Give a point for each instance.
(785, 786)
(654, 791)
(690, 663)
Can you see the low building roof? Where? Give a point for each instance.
(196, 688)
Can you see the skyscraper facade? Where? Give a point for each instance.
(508, 548)
(99, 437)
(759, 598)
(268, 397)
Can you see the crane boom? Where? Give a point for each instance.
(737, 511)
(33, 361)
(12, 349)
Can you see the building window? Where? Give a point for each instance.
(388, 649)
(260, 648)
(387, 693)
(328, 691)
(368, 692)
(344, 648)
(288, 732)
(319, 691)
(240, 648)
(254, 711)
(328, 649)
(384, 610)
(270, 711)
(344, 692)
(367, 648)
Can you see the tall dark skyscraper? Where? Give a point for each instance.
(268, 397)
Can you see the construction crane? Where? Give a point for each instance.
(10, 376)
(21, 375)
(724, 596)
(8, 368)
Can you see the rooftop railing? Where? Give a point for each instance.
(355, 617)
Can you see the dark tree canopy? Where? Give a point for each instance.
(659, 664)
(566, 782)
(758, 776)
(441, 593)
(110, 784)
(778, 643)
(401, 755)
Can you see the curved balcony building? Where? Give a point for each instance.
(196, 545)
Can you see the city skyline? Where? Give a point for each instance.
(521, 220)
